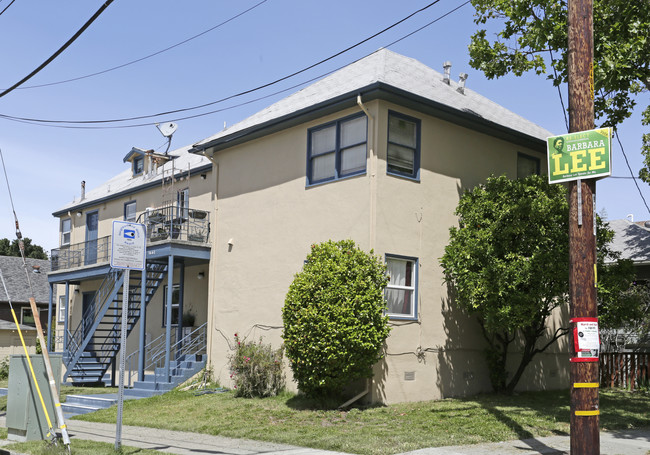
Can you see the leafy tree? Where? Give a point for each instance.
(334, 321)
(508, 264)
(32, 251)
(533, 37)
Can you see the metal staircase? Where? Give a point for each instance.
(96, 340)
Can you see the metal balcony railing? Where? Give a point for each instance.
(81, 254)
(165, 224)
(176, 223)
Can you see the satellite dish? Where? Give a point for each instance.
(167, 129)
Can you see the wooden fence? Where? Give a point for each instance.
(624, 369)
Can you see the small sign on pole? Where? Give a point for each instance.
(582, 155)
(128, 249)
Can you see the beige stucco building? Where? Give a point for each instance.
(378, 152)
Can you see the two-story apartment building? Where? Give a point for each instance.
(379, 152)
(171, 195)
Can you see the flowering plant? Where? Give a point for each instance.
(256, 369)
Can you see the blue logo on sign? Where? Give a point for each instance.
(129, 234)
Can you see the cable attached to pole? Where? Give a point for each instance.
(39, 329)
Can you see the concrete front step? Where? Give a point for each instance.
(83, 404)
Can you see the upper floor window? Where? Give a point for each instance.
(401, 289)
(183, 203)
(27, 317)
(403, 152)
(61, 313)
(66, 227)
(129, 211)
(337, 149)
(526, 165)
(138, 165)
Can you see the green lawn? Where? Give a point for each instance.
(378, 430)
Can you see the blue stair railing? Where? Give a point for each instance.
(96, 340)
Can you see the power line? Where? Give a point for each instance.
(61, 49)
(631, 172)
(147, 56)
(7, 7)
(246, 92)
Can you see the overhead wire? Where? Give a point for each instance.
(60, 50)
(85, 123)
(7, 7)
(147, 56)
(627, 162)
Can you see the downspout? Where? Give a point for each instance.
(49, 319)
(372, 176)
(372, 209)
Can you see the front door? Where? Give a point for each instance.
(88, 304)
(92, 221)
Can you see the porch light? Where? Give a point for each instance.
(200, 276)
(79, 214)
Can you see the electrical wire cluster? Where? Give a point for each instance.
(172, 115)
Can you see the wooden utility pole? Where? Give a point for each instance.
(585, 436)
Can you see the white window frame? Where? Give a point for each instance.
(27, 310)
(65, 233)
(413, 315)
(61, 311)
(129, 204)
(175, 306)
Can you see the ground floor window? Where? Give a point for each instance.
(176, 293)
(401, 290)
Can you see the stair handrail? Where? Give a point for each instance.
(76, 340)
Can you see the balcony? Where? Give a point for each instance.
(166, 224)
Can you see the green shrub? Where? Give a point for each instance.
(334, 321)
(4, 368)
(256, 369)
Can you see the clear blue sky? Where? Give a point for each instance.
(278, 37)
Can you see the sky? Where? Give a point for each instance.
(252, 43)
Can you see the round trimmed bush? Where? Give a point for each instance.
(334, 321)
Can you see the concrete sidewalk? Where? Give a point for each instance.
(634, 442)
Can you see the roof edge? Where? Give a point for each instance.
(376, 90)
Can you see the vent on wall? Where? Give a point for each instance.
(409, 375)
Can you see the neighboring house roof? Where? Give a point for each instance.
(10, 325)
(125, 183)
(399, 79)
(631, 240)
(15, 278)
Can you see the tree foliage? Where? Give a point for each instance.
(533, 37)
(334, 322)
(11, 248)
(508, 264)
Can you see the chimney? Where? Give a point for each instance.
(461, 83)
(83, 190)
(447, 67)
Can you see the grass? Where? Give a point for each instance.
(77, 447)
(380, 430)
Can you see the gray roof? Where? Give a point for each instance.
(632, 240)
(10, 325)
(15, 278)
(125, 183)
(388, 70)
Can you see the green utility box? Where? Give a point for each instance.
(26, 419)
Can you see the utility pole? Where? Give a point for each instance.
(585, 436)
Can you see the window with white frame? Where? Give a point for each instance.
(129, 211)
(27, 317)
(338, 149)
(183, 203)
(401, 289)
(403, 152)
(61, 313)
(176, 292)
(138, 165)
(66, 227)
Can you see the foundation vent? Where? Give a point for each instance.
(409, 375)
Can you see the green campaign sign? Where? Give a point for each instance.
(574, 156)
